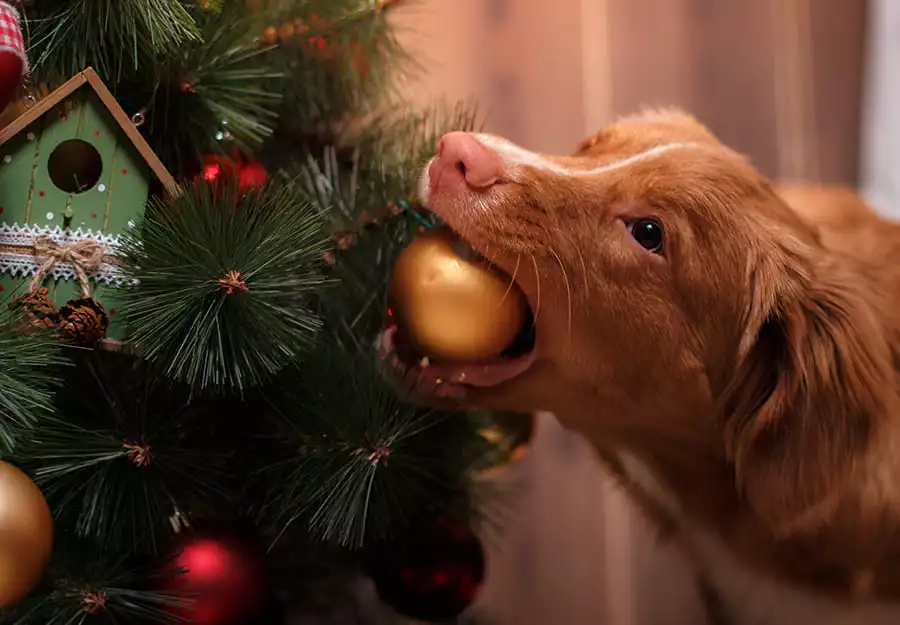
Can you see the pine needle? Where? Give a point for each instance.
(361, 460)
(377, 165)
(223, 284)
(86, 584)
(345, 62)
(27, 377)
(219, 91)
(124, 448)
(115, 37)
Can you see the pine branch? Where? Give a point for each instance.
(343, 58)
(355, 313)
(113, 36)
(375, 165)
(224, 283)
(361, 461)
(124, 448)
(27, 377)
(85, 584)
(402, 140)
(217, 91)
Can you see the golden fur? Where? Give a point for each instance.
(753, 366)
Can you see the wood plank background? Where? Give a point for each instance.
(880, 143)
(779, 80)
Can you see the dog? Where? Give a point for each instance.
(728, 346)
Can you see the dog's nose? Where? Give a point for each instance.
(462, 162)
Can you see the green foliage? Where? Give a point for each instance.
(220, 85)
(27, 376)
(82, 576)
(356, 311)
(116, 37)
(188, 321)
(377, 167)
(346, 59)
(205, 81)
(361, 460)
(401, 142)
(124, 448)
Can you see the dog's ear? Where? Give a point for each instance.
(807, 395)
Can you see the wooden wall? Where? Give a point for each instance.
(879, 174)
(779, 80)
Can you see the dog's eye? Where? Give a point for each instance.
(648, 233)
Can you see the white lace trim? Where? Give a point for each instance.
(24, 236)
(25, 264)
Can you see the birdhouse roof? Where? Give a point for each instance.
(89, 77)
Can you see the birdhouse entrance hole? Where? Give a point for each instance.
(75, 166)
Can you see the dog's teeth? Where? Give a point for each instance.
(424, 362)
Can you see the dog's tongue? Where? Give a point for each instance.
(487, 373)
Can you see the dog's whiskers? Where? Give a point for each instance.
(584, 273)
(568, 290)
(537, 279)
(512, 280)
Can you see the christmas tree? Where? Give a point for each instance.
(202, 202)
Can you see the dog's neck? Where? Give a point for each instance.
(685, 485)
(743, 593)
(684, 453)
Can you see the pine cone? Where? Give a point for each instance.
(38, 307)
(83, 321)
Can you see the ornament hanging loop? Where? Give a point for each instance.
(28, 86)
(140, 117)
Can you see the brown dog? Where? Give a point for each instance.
(729, 348)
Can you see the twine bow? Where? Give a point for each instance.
(85, 256)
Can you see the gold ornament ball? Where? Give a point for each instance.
(270, 35)
(286, 31)
(451, 307)
(26, 535)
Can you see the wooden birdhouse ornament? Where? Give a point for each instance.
(75, 173)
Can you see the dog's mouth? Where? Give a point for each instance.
(454, 380)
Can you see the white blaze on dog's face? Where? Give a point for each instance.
(670, 286)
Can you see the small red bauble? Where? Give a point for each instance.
(433, 573)
(222, 581)
(12, 53)
(251, 175)
(211, 172)
(217, 168)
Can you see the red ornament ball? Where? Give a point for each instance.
(212, 170)
(12, 53)
(219, 169)
(251, 175)
(433, 573)
(221, 580)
